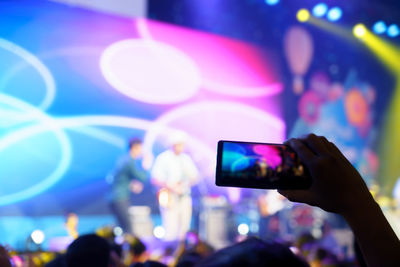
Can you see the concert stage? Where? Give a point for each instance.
(76, 83)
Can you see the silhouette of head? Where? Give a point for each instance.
(87, 251)
(253, 252)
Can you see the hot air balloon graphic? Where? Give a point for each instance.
(299, 52)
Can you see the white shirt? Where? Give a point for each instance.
(170, 169)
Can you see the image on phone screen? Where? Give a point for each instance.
(260, 165)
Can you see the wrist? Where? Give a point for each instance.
(361, 206)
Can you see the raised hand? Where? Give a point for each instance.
(337, 186)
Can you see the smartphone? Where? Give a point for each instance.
(260, 165)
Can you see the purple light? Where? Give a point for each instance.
(227, 66)
(151, 72)
(211, 121)
(270, 154)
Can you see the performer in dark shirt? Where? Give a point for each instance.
(128, 176)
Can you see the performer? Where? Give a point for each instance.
(128, 175)
(175, 173)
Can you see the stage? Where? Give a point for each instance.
(77, 82)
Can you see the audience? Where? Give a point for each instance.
(4, 257)
(337, 187)
(253, 252)
(89, 250)
(138, 250)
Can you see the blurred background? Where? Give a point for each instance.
(78, 78)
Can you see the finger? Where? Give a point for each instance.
(334, 149)
(316, 144)
(301, 196)
(325, 142)
(304, 153)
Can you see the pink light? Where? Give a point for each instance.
(211, 121)
(233, 195)
(269, 154)
(151, 72)
(228, 66)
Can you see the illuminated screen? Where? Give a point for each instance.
(259, 165)
(76, 85)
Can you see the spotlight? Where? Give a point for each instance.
(118, 231)
(379, 27)
(303, 15)
(272, 2)
(359, 30)
(334, 14)
(393, 31)
(37, 237)
(243, 229)
(159, 232)
(320, 10)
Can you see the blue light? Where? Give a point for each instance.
(334, 14)
(393, 31)
(320, 10)
(379, 27)
(272, 2)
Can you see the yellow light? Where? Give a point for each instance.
(359, 30)
(303, 15)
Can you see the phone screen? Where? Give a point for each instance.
(260, 165)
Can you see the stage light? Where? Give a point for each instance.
(303, 15)
(38, 65)
(389, 55)
(393, 31)
(243, 229)
(334, 14)
(37, 237)
(118, 231)
(320, 10)
(272, 2)
(119, 240)
(159, 232)
(130, 66)
(379, 27)
(359, 30)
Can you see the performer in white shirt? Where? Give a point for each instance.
(175, 173)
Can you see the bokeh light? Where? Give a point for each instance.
(303, 15)
(359, 30)
(320, 10)
(335, 14)
(393, 31)
(243, 229)
(379, 27)
(37, 237)
(159, 232)
(118, 231)
(272, 2)
(130, 66)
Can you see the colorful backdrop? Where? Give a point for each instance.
(76, 85)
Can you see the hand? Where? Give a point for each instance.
(176, 188)
(147, 161)
(336, 184)
(136, 186)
